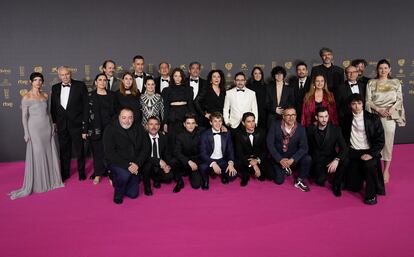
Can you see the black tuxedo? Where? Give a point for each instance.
(207, 148)
(323, 150)
(122, 146)
(245, 151)
(299, 94)
(287, 98)
(152, 167)
(370, 170)
(70, 123)
(157, 81)
(343, 96)
(202, 87)
(186, 149)
(145, 77)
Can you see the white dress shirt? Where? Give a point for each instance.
(64, 96)
(164, 84)
(140, 82)
(195, 86)
(354, 89)
(217, 152)
(158, 145)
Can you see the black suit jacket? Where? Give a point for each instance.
(334, 76)
(145, 77)
(343, 96)
(187, 146)
(157, 81)
(202, 87)
(75, 117)
(245, 150)
(163, 148)
(115, 84)
(299, 94)
(327, 150)
(287, 98)
(122, 147)
(207, 146)
(373, 129)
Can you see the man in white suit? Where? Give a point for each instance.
(238, 100)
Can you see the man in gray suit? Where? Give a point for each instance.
(109, 68)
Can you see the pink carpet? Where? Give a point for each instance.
(262, 219)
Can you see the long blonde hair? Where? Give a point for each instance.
(310, 95)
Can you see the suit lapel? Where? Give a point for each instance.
(71, 93)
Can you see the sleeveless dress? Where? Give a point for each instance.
(42, 168)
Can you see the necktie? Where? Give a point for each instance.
(154, 148)
(301, 85)
(164, 80)
(139, 76)
(241, 90)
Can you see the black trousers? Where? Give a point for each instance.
(319, 171)
(265, 170)
(181, 170)
(66, 141)
(125, 183)
(152, 170)
(359, 171)
(98, 155)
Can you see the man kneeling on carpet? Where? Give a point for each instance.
(216, 152)
(364, 133)
(126, 149)
(288, 145)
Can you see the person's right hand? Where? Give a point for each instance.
(193, 165)
(216, 168)
(133, 168)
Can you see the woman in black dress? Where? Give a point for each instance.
(128, 96)
(213, 97)
(257, 84)
(102, 108)
(178, 100)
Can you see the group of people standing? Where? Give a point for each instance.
(321, 126)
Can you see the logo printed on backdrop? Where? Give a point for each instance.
(401, 73)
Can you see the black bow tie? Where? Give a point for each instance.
(215, 134)
(194, 80)
(250, 134)
(139, 76)
(242, 90)
(352, 85)
(63, 85)
(165, 80)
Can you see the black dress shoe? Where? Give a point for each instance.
(148, 191)
(204, 186)
(370, 201)
(118, 200)
(92, 176)
(224, 179)
(82, 176)
(178, 186)
(244, 181)
(336, 189)
(157, 184)
(261, 178)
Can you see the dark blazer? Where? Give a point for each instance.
(75, 117)
(145, 77)
(334, 76)
(298, 144)
(202, 86)
(95, 125)
(187, 146)
(115, 84)
(157, 81)
(287, 98)
(163, 148)
(122, 147)
(373, 129)
(299, 94)
(343, 96)
(207, 146)
(327, 150)
(245, 150)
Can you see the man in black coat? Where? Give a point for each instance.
(187, 154)
(199, 86)
(69, 109)
(251, 154)
(157, 165)
(126, 148)
(323, 139)
(300, 84)
(364, 133)
(163, 81)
